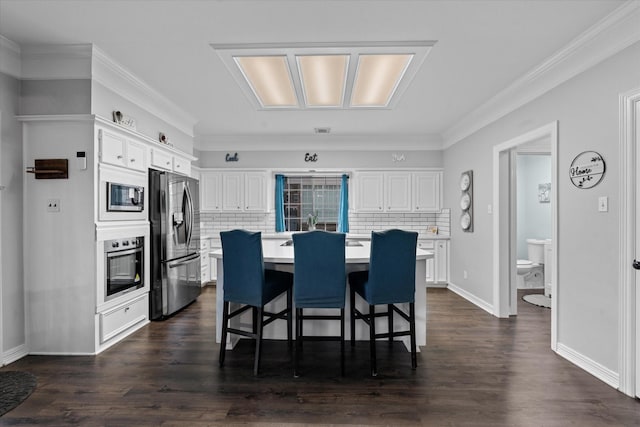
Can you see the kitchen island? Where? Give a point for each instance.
(278, 254)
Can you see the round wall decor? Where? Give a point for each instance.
(466, 201)
(587, 169)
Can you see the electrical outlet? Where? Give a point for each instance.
(53, 205)
(464, 274)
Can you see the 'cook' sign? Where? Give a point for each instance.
(587, 169)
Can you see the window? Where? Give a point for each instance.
(306, 196)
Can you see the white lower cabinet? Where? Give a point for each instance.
(123, 317)
(214, 245)
(438, 266)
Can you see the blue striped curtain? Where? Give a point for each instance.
(343, 212)
(279, 206)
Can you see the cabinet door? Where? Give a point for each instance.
(370, 191)
(232, 191)
(255, 192)
(426, 195)
(441, 262)
(161, 159)
(181, 165)
(398, 191)
(211, 191)
(136, 156)
(428, 245)
(112, 148)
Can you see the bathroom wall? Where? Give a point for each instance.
(533, 216)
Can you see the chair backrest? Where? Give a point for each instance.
(243, 268)
(392, 266)
(319, 277)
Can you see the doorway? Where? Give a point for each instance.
(629, 295)
(504, 222)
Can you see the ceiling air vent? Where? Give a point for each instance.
(322, 130)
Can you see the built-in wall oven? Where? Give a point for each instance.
(124, 266)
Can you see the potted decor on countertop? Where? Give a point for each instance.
(312, 220)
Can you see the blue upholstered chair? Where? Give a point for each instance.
(248, 283)
(319, 281)
(389, 281)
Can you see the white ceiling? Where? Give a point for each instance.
(482, 47)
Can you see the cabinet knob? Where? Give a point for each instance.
(168, 163)
(119, 157)
(132, 160)
(177, 166)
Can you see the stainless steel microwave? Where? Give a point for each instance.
(124, 197)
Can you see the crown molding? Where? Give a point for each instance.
(327, 142)
(10, 62)
(610, 35)
(121, 81)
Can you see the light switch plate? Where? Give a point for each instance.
(603, 204)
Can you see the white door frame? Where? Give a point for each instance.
(1, 192)
(629, 331)
(502, 230)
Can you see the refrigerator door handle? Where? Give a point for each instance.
(184, 261)
(191, 215)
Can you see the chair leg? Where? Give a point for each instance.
(256, 362)
(372, 339)
(223, 341)
(412, 327)
(342, 342)
(289, 319)
(390, 320)
(353, 317)
(298, 344)
(254, 317)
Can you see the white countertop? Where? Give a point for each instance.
(273, 252)
(287, 235)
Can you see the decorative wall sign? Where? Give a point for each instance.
(544, 192)
(466, 201)
(230, 158)
(123, 120)
(587, 169)
(311, 157)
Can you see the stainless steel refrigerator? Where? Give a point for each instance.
(174, 214)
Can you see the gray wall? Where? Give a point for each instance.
(326, 159)
(56, 97)
(11, 177)
(533, 217)
(587, 110)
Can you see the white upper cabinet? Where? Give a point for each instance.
(398, 191)
(161, 159)
(255, 192)
(210, 191)
(239, 191)
(370, 191)
(427, 192)
(116, 149)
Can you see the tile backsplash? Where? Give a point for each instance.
(212, 223)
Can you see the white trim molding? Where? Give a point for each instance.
(121, 81)
(594, 368)
(14, 354)
(610, 35)
(627, 234)
(471, 298)
(10, 62)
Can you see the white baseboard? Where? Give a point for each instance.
(437, 285)
(14, 354)
(594, 368)
(472, 298)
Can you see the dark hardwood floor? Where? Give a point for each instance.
(475, 370)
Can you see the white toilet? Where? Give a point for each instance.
(531, 270)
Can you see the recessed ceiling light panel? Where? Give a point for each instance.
(269, 78)
(323, 79)
(377, 78)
